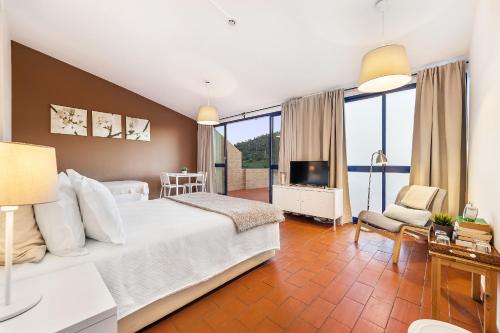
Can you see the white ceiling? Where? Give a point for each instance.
(165, 49)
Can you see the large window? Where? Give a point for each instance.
(373, 122)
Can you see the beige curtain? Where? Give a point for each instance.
(206, 154)
(439, 133)
(312, 128)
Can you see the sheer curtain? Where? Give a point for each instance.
(312, 128)
(439, 133)
(206, 154)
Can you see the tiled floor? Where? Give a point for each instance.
(321, 281)
(259, 194)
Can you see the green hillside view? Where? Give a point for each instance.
(255, 152)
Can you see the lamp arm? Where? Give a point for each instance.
(370, 181)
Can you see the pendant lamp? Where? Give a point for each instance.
(386, 67)
(207, 114)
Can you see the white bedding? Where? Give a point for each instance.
(169, 247)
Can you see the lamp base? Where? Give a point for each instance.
(20, 303)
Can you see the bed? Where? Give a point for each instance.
(174, 254)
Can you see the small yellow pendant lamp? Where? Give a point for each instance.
(207, 114)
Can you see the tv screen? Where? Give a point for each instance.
(309, 173)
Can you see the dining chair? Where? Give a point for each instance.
(394, 229)
(166, 184)
(199, 183)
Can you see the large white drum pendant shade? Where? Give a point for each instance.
(384, 68)
(208, 115)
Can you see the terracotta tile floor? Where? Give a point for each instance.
(259, 194)
(321, 281)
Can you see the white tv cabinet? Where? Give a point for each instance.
(312, 201)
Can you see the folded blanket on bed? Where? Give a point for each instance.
(246, 214)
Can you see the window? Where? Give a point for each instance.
(379, 121)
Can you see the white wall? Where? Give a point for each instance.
(484, 144)
(484, 147)
(5, 79)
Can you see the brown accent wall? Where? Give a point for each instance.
(39, 80)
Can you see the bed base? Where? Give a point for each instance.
(164, 306)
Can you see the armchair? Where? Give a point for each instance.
(394, 229)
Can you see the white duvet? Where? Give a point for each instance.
(169, 247)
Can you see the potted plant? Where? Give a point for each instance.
(443, 222)
(184, 169)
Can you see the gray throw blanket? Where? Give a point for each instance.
(246, 214)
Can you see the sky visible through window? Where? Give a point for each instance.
(248, 129)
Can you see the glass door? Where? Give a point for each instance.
(247, 154)
(275, 130)
(220, 159)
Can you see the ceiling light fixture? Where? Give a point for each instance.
(207, 114)
(386, 67)
(230, 19)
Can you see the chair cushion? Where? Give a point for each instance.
(380, 221)
(419, 197)
(407, 215)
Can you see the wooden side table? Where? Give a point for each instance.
(470, 261)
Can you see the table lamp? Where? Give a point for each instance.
(28, 175)
(380, 160)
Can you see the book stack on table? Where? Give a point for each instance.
(472, 232)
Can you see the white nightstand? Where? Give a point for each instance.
(73, 300)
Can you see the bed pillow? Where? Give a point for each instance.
(419, 197)
(101, 217)
(29, 245)
(412, 216)
(60, 222)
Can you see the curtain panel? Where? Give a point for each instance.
(205, 156)
(439, 152)
(312, 128)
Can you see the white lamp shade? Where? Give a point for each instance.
(207, 115)
(384, 68)
(28, 174)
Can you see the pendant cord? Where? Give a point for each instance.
(219, 8)
(208, 92)
(383, 26)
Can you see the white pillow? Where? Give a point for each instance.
(100, 213)
(419, 197)
(408, 215)
(60, 222)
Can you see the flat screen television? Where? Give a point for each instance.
(309, 173)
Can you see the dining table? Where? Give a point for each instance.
(187, 175)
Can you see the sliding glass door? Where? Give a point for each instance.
(220, 159)
(373, 122)
(247, 154)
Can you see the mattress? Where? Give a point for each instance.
(169, 247)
